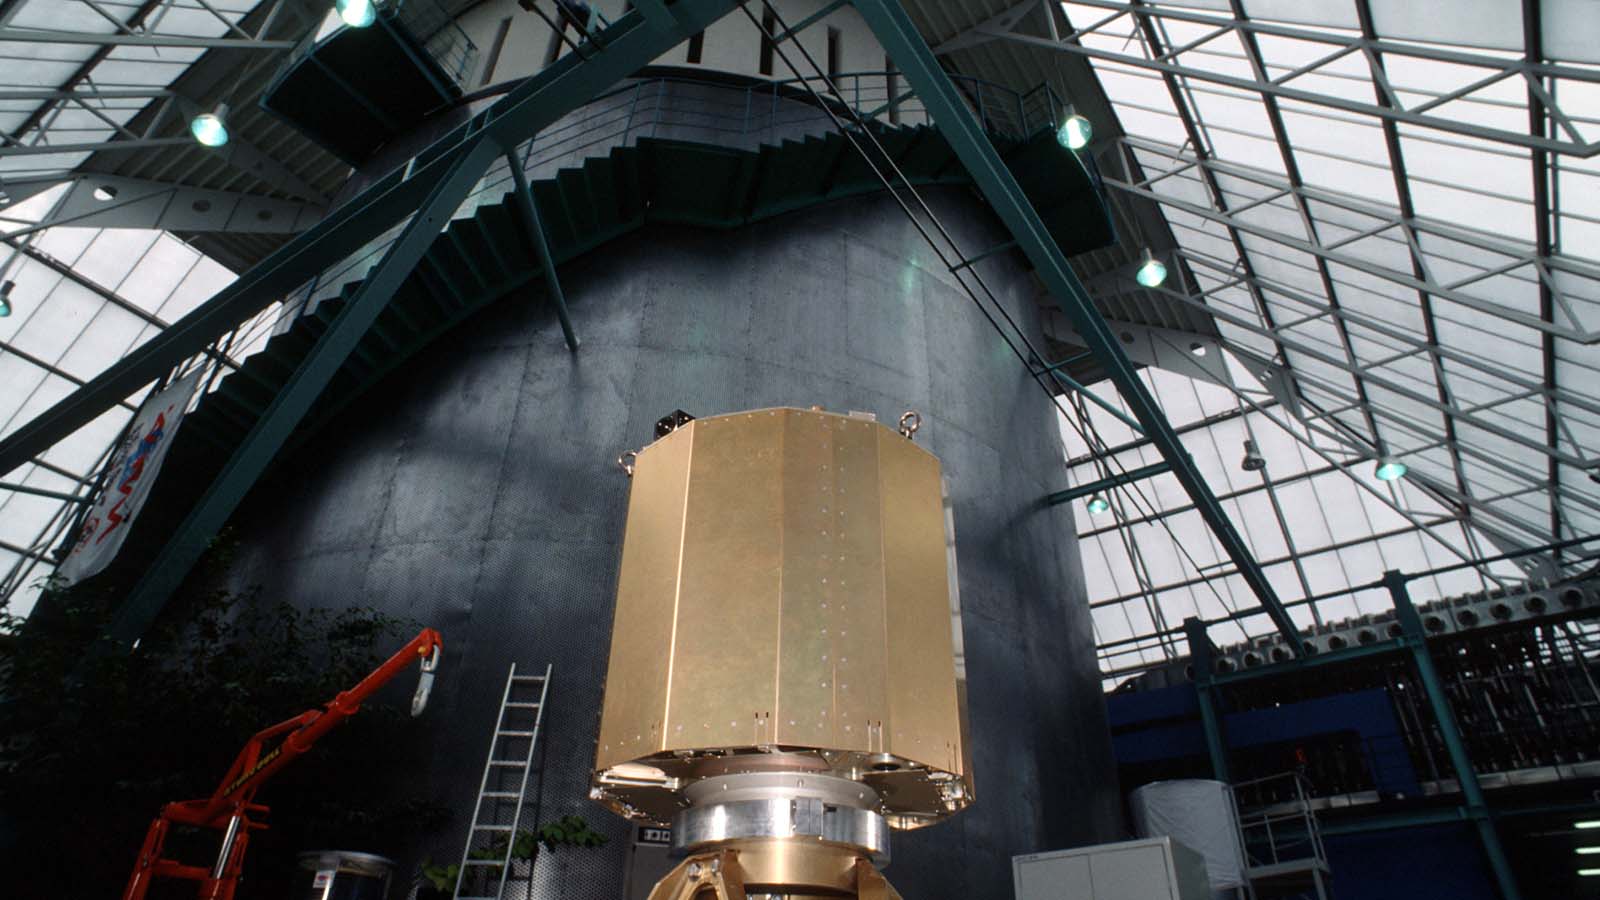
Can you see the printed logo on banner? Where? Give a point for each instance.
(129, 475)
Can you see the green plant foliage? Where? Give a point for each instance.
(442, 878)
(95, 740)
(571, 831)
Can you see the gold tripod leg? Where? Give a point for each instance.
(871, 885)
(715, 873)
(774, 865)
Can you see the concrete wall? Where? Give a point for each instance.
(476, 491)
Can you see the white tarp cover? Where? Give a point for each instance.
(129, 475)
(1198, 814)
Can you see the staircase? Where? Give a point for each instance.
(478, 260)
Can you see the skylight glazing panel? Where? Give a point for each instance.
(1253, 513)
(1491, 24)
(106, 336)
(19, 167)
(1578, 192)
(1338, 13)
(1338, 151)
(1280, 264)
(1474, 183)
(1281, 216)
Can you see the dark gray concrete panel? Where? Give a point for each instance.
(476, 491)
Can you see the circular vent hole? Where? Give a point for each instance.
(1501, 611)
(1535, 603)
(1367, 636)
(1571, 598)
(1337, 642)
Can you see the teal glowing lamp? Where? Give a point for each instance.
(357, 13)
(1390, 470)
(1075, 132)
(1152, 272)
(5, 298)
(1098, 504)
(211, 128)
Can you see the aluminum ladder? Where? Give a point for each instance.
(509, 763)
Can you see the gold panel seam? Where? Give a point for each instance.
(677, 586)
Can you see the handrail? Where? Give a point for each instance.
(757, 112)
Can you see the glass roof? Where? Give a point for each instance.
(1395, 210)
(1401, 210)
(74, 76)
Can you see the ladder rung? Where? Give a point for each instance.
(513, 763)
(491, 828)
(485, 862)
(522, 706)
(501, 795)
(518, 734)
(528, 678)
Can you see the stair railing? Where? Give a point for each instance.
(755, 113)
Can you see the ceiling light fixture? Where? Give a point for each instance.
(357, 13)
(5, 298)
(1587, 824)
(1390, 470)
(1098, 504)
(211, 128)
(1075, 131)
(1152, 272)
(1252, 461)
(1588, 851)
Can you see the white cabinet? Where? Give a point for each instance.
(1149, 869)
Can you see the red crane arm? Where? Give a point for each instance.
(229, 806)
(255, 764)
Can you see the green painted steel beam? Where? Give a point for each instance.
(896, 33)
(1450, 732)
(568, 83)
(1075, 358)
(811, 20)
(1071, 383)
(1106, 484)
(1201, 656)
(528, 212)
(262, 444)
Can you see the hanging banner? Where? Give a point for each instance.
(129, 475)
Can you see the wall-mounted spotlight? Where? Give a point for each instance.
(211, 128)
(1098, 504)
(357, 13)
(1390, 470)
(5, 298)
(1074, 132)
(1252, 461)
(1152, 272)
